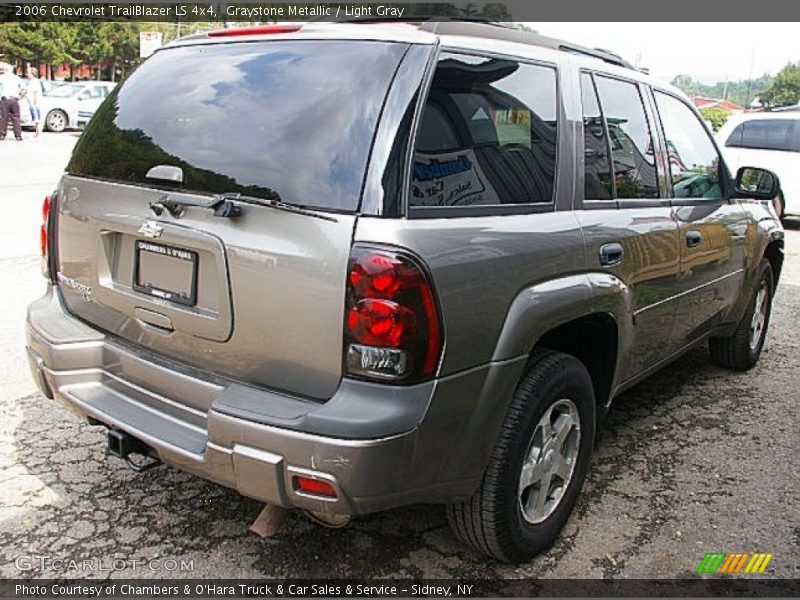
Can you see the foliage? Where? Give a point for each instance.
(112, 47)
(716, 116)
(740, 92)
(785, 90)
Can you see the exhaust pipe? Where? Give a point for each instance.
(123, 445)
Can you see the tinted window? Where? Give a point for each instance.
(297, 117)
(487, 135)
(693, 159)
(772, 134)
(631, 141)
(97, 91)
(597, 168)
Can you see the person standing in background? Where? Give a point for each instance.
(33, 93)
(11, 90)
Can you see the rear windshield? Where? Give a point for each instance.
(764, 134)
(294, 117)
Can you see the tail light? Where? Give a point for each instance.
(392, 329)
(44, 236)
(43, 228)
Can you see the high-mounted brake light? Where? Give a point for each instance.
(392, 329)
(257, 30)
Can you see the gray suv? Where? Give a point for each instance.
(349, 267)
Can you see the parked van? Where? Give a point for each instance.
(769, 140)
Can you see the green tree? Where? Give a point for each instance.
(739, 92)
(785, 90)
(716, 116)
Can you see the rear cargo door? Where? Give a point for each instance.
(257, 296)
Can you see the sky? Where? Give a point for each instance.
(708, 52)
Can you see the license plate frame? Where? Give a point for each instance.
(166, 252)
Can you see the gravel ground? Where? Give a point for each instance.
(694, 460)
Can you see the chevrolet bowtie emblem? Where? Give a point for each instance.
(151, 229)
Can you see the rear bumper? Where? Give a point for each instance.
(379, 446)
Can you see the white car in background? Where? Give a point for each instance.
(770, 141)
(70, 105)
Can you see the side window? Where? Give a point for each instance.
(764, 134)
(631, 140)
(596, 165)
(487, 134)
(693, 160)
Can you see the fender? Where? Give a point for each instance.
(759, 236)
(544, 306)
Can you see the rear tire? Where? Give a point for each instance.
(515, 514)
(742, 350)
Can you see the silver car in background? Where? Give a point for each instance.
(69, 105)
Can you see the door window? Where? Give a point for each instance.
(597, 183)
(693, 160)
(631, 140)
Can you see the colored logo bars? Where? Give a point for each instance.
(742, 562)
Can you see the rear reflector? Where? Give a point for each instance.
(317, 487)
(257, 30)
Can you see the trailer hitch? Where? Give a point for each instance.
(123, 445)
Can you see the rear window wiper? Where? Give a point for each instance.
(273, 201)
(226, 204)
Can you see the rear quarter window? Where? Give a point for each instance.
(296, 117)
(487, 136)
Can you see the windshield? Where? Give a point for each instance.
(297, 117)
(66, 90)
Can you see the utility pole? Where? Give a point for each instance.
(750, 79)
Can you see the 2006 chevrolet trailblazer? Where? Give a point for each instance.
(350, 267)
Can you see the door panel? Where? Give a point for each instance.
(711, 228)
(711, 271)
(649, 267)
(629, 214)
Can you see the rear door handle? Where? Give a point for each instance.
(611, 254)
(693, 239)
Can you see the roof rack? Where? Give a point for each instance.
(483, 28)
(502, 31)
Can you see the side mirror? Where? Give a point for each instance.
(752, 182)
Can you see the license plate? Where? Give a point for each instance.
(166, 272)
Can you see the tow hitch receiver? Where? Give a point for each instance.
(123, 445)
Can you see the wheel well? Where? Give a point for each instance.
(592, 340)
(774, 254)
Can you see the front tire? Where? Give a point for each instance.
(538, 465)
(742, 350)
(56, 121)
(779, 204)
